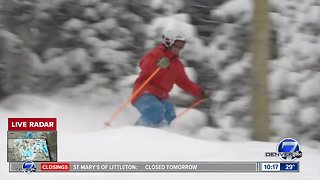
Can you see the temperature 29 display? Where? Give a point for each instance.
(279, 167)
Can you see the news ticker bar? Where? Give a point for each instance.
(146, 167)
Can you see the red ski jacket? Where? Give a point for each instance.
(162, 83)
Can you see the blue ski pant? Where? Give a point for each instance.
(154, 111)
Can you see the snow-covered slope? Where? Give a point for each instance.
(81, 137)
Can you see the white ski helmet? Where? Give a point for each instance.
(169, 37)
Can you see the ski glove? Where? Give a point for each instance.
(205, 94)
(163, 63)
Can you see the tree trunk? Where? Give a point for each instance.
(260, 56)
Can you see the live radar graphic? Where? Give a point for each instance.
(288, 149)
(25, 142)
(28, 149)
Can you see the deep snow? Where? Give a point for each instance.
(82, 137)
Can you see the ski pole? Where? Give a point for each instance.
(125, 104)
(189, 108)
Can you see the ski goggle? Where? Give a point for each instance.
(179, 44)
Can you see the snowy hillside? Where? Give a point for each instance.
(90, 50)
(81, 137)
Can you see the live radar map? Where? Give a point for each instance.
(34, 146)
(28, 149)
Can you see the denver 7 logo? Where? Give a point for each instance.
(289, 149)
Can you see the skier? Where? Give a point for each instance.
(152, 101)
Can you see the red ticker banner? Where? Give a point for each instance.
(32, 124)
(55, 166)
